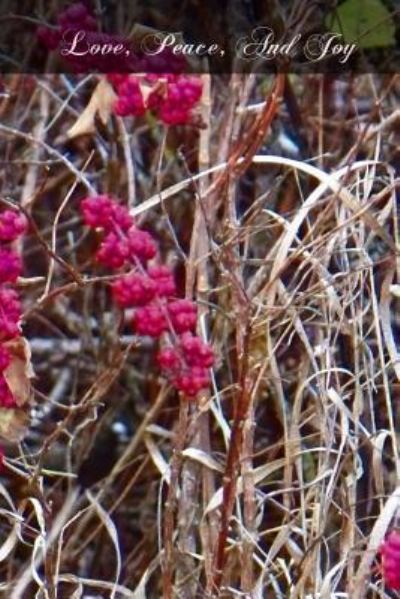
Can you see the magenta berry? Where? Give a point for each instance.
(187, 365)
(141, 244)
(102, 212)
(73, 18)
(98, 211)
(192, 381)
(10, 266)
(150, 320)
(130, 98)
(10, 313)
(123, 241)
(116, 79)
(390, 554)
(170, 106)
(172, 97)
(169, 359)
(196, 352)
(122, 107)
(163, 279)
(183, 314)
(133, 290)
(121, 218)
(76, 18)
(183, 94)
(113, 251)
(73, 15)
(12, 225)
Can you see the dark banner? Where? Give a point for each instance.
(228, 36)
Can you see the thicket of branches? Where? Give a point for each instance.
(279, 216)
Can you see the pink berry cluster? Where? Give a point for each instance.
(77, 27)
(12, 226)
(390, 554)
(172, 97)
(73, 18)
(149, 288)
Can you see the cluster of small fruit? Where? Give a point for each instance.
(12, 226)
(77, 37)
(171, 97)
(151, 291)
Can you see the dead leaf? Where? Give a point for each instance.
(20, 371)
(101, 104)
(15, 421)
(13, 424)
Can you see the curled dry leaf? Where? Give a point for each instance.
(20, 371)
(101, 104)
(14, 422)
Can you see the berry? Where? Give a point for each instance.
(150, 320)
(183, 314)
(172, 97)
(10, 313)
(122, 106)
(12, 225)
(164, 280)
(141, 244)
(187, 366)
(103, 212)
(121, 217)
(390, 553)
(117, 79)
(133, 290)
(10, 266)
(73, 18)
(130, 100)
(113, 251)
(196, 352)
(76, 17)
(192, 381)
(182, 95)
(98, 211)
(169, 359)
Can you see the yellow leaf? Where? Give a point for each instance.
(101, 104)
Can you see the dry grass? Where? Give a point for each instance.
(283, 480)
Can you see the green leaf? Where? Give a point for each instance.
(368, 23)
